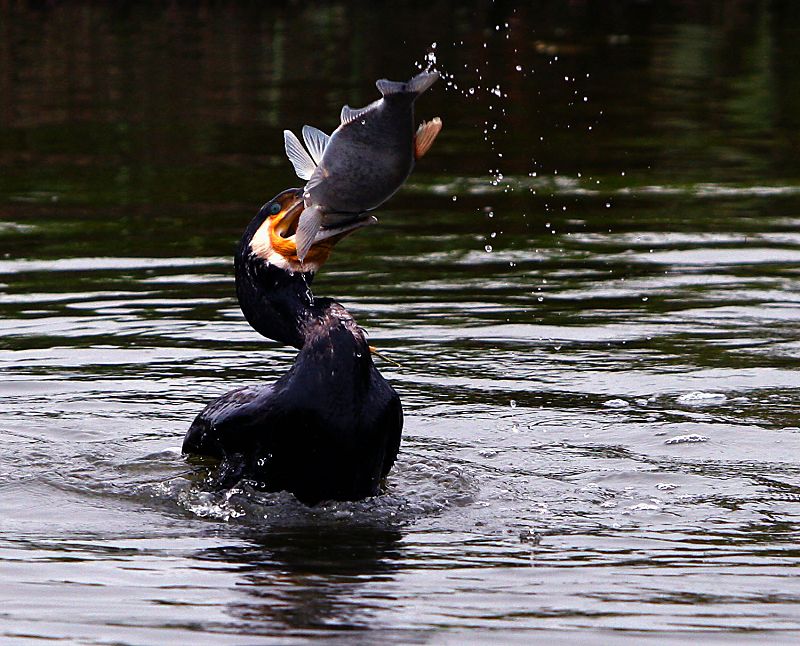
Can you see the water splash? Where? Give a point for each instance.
(418, 486)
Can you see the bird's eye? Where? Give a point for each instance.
(274, 208)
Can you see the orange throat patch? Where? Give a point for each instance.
(274, 242)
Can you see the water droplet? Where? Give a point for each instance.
(493, 234)
(471, 90)
(488, 248)
(518, 68)
(513, 403)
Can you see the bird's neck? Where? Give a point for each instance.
(275, 302)
(280, 305)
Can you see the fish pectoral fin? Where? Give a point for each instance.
(316, 142)
(426, 134)
(319, 176)
(304, 166)
(307, 227)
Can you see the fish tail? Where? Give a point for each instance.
(307, 228)
(415, 86)
(422, 82)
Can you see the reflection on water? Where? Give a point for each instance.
(590, 286)
(306, 580)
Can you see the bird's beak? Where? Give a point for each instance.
(286, 224)
(283, 228)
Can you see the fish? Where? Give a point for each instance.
(364, 161)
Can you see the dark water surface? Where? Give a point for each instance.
(591, 285)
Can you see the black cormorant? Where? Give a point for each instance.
(329, 429)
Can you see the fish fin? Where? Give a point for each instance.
(387, 87)
(416, 85)
(426, 134)
(307, 227)
(333, 220)
(319, 175)
(304, 166)
(316, 141)
(422, 82)
(351, 114)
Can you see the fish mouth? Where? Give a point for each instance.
(276, 239)
(337, 227)
(336, 231)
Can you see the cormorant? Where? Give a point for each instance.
(329, 429)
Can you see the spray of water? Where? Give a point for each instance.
(477, 82)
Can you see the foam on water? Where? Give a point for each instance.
(701, 398)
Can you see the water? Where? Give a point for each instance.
(601, 412)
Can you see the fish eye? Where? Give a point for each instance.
(274, 208)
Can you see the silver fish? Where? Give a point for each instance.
(364, 161)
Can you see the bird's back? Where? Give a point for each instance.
(328, 429)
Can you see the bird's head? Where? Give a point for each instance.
(273, 240)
